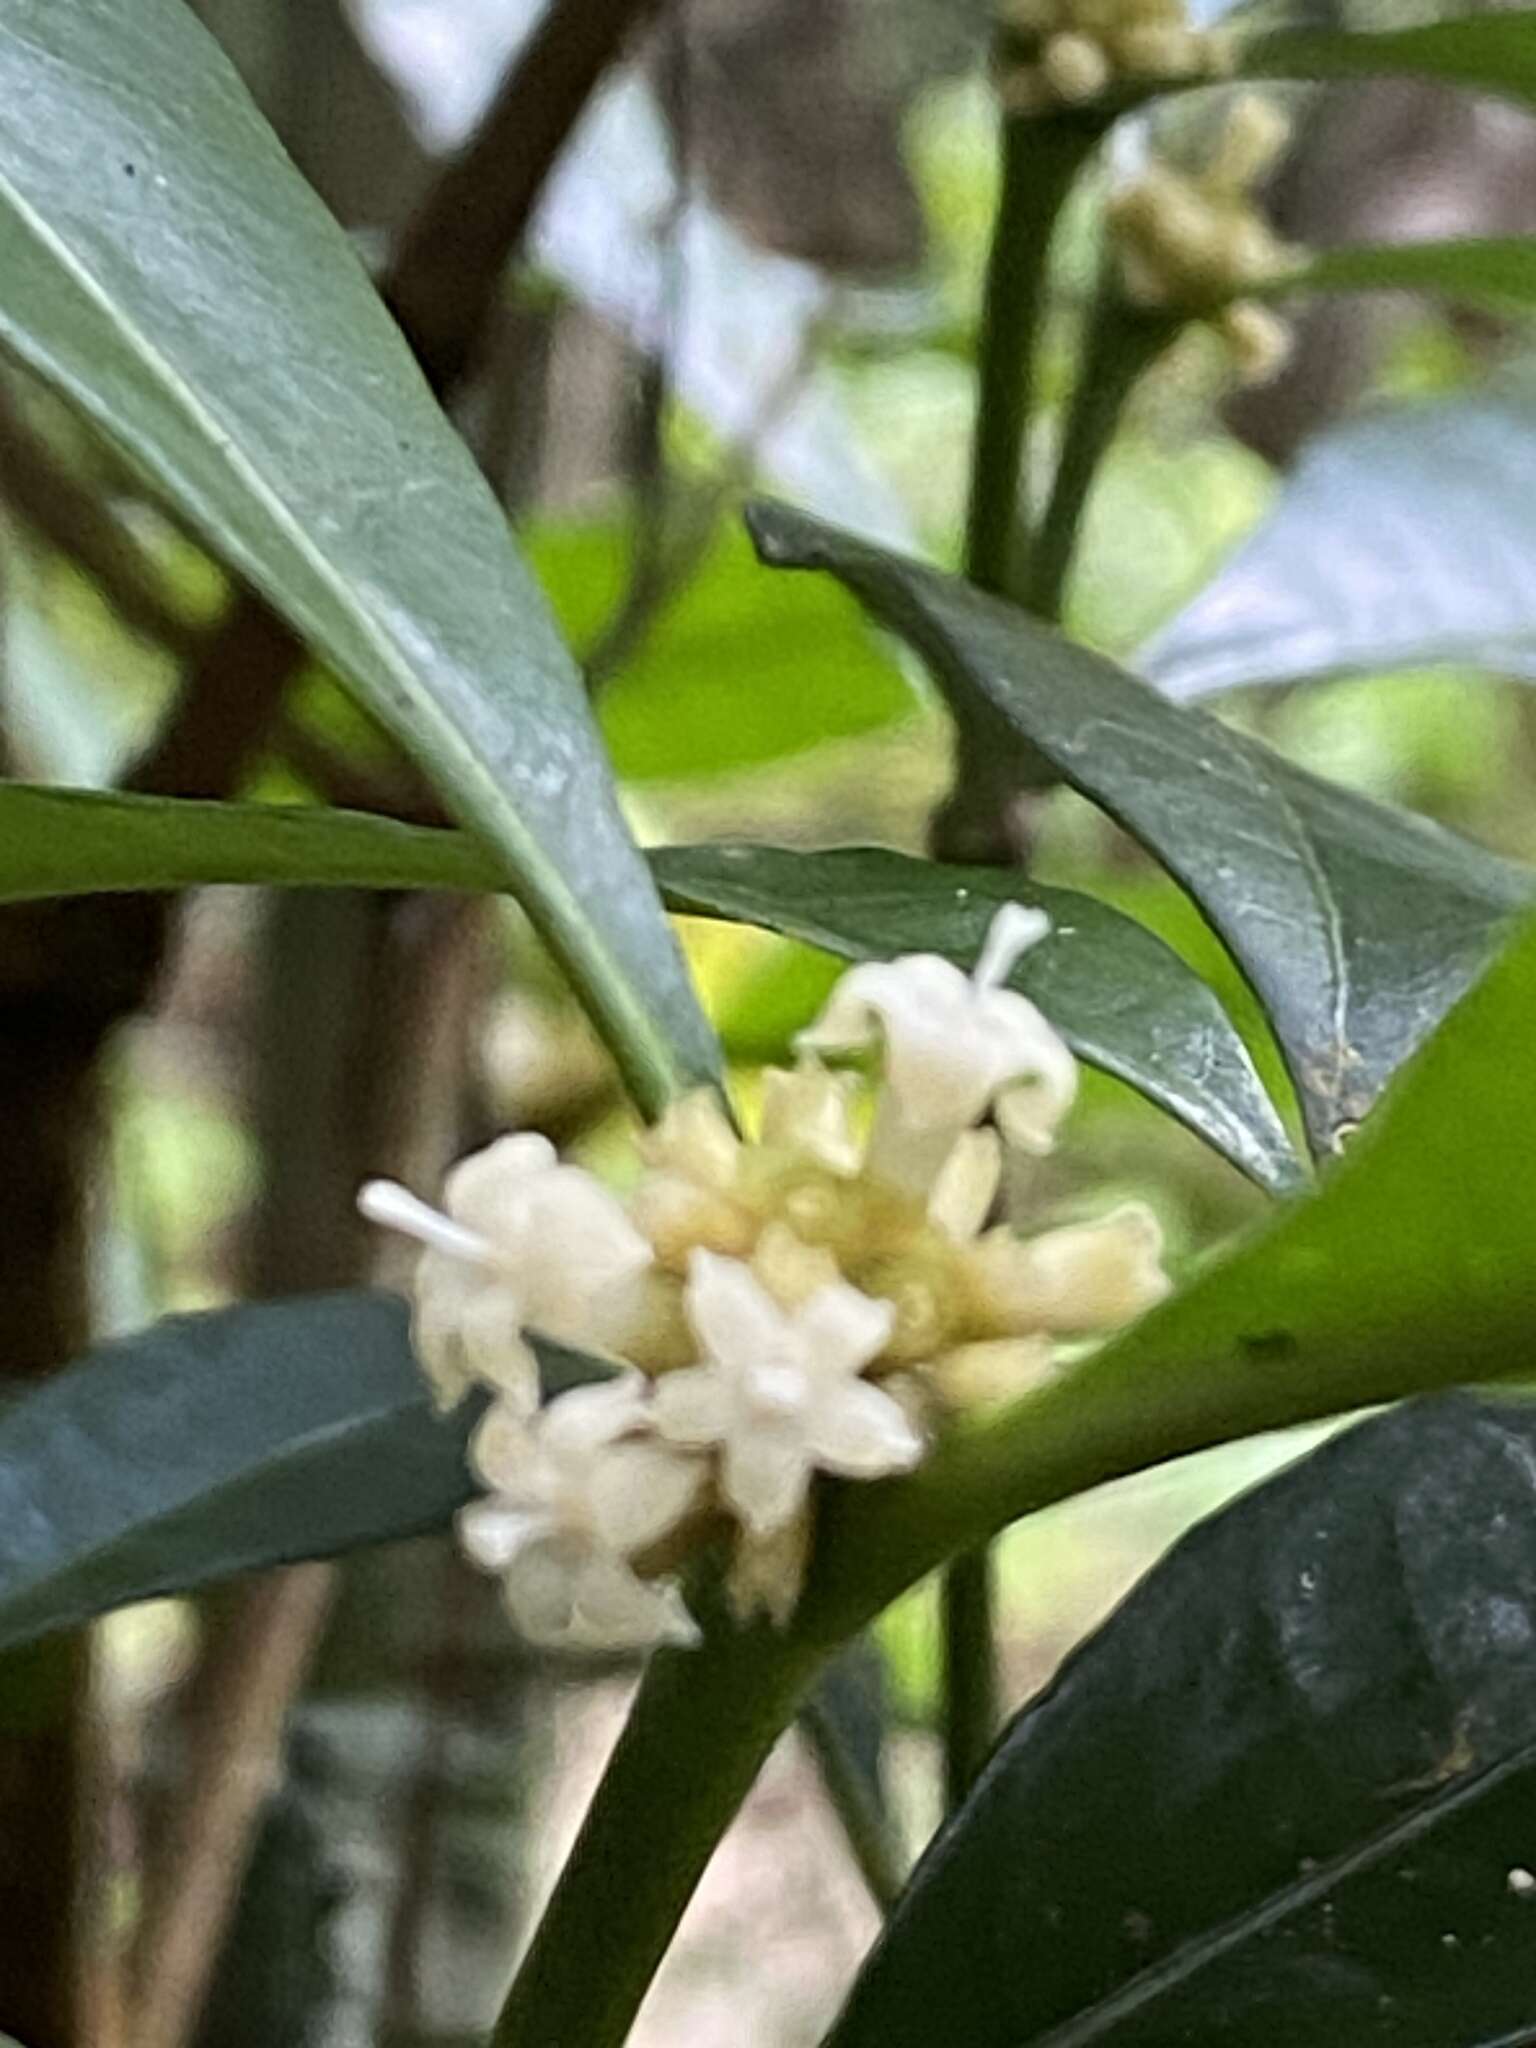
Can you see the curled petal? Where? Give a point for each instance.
(505, 1454)
(585, 1420)
(861, 1433)
(465, 1328)
(966, 1185)
(617, 1610)
(539, 1583)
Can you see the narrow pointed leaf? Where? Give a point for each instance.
(168, 272)
(1493, 52)
(1357, 925)
(1288, 1793)
(1401, 540)
(1123, 1000)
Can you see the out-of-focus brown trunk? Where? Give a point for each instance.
(67, 974)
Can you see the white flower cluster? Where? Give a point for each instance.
(812, 1301)
(1193, 241)
(1080, 50)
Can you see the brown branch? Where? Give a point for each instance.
(448, 269)
(237, 1741)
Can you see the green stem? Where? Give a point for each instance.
(1122, 342)
(972, 1712)
(1040, 160)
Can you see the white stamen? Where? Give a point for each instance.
(1010, 935)
(386, 1202)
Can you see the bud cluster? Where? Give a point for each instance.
(1194, 242)
(1074, 52)
(813, 1300)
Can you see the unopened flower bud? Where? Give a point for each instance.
(1259, 339)
(1075, 67)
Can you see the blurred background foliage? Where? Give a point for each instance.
(758, 265)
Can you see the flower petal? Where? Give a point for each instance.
(638, 1492)
(493, 1532)
(734, 1317)
(766, 1476)
(616, 1610)
(476, 1187)
(694, 1137)
(861, 1433)
(506, 1454)
(584, 1420)
(810, 1110)
(981, 1375)
(695, 1407)
(843, 1329)
(540, 1585)
(1085, 1277)
(966, 1185)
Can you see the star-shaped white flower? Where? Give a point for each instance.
(522, 1242)
(956, 1046)
(780, 1392)
(577, 1494)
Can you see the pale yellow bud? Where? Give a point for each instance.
(1255, 132)
(790, 1269)
(983, 1375)
(767, 1572)
(1075, 68)
(1259, 339)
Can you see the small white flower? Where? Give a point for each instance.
(780, 1392)
(522, 1243)
(577, 1494)
(956, 1046)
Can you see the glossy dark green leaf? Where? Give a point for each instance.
(1490, 52)
(220, 1443)
(1124, 1001)
(167, 270)
(1357, 925)
(1499, 272)
(1286, 1795)
(1401, 540)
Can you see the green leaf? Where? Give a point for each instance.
(1288, 1793)
(732, 674)
(1499, 272)
(221, 1443)
(214, 1444)
(1123, 1000)
(1494, 52)
(1357, 925)
(1401, 540)
(168, 271)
